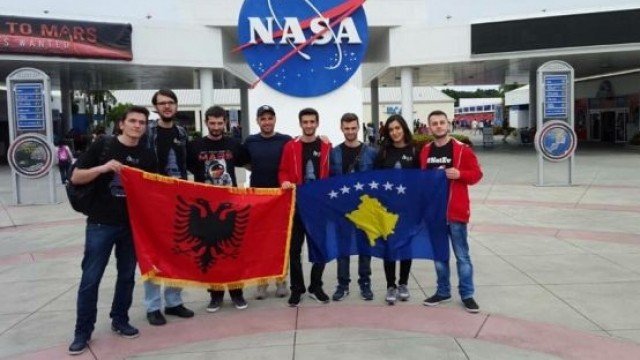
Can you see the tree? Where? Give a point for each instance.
(115, 113)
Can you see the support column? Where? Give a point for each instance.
(533, 104)
(245, 117)
(406, 90)
(66, 98)
(206, 95)
(375, 108)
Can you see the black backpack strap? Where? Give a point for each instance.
(106, 148)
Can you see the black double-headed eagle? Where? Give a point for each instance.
(208, 234)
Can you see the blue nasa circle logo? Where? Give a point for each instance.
(556, 141)
(303, 48)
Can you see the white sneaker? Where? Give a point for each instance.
(261, 292)
(403, 293)
(281, 289)
(391, 295)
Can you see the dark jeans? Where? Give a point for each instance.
(100, 239)
(390, 272)
(295, 264)
(364, 270)
(65, 171)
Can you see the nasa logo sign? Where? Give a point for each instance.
(303, 48)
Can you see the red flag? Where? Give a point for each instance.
(188, 233)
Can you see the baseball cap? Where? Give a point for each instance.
(265, 109)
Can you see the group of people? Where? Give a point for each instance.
(276, 161)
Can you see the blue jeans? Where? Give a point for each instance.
(458, 236)
(100, 240)
(153, 298)
(364, 271)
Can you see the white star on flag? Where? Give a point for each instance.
(401, 189)
(358, 186)
(388, 186)
(373, 185)
(344, 189)
(333, 194)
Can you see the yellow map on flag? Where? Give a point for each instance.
(373, 218)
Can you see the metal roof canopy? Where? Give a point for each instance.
(501, 68)
(107, 75)
(479, 70)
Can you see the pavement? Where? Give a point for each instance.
(557, 272)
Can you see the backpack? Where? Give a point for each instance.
(63, 154)
(81, 196)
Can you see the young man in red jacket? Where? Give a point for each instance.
(304, 159)
(462, 169)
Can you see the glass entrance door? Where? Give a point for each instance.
(595, 127)
(622, 117)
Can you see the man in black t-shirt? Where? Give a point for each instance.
(169, 142)
(303, 160)
(264, 150)
(213, 159)
(108, 224)
(348, 157)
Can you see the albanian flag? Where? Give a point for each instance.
(188, 233)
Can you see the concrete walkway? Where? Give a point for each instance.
(557, 271)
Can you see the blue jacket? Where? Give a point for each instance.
(367, 157)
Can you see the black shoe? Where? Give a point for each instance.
(365, 292)
(79, 345)
(125, 330)
(435, 300)
(239, 302)
(341, 293)
(156, 318)
(179, 311)
(214, 304)
(319, 295)
(471, 305)
(294, 299)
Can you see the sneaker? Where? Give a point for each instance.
(294, 299)
(340, 293)
(281, 289)
(261, 292)
(391, 295)
(125, 330)
(79, 345)
(403, 292)
(179, 311)
(319, 295)
(214, 304)
(156, 318)
(365, 292)
(471, 305)
(435, 300)
(239, 302)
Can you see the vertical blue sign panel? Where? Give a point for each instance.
(29, 100)
(555, 96)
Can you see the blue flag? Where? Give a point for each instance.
(390, 214)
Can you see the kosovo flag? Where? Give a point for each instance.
(390, 214)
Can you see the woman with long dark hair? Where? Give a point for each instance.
(397, 152)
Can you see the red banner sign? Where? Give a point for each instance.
(49, 37)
